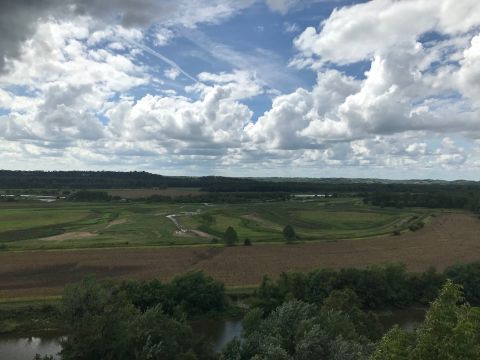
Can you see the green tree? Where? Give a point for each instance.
(196, 294)
(159, 336)
(298, 331)
(230, 236)
(395, 345)
(289, 233)
(98, 322)
(451, 331)
(103, 324)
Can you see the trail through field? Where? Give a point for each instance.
(182, 230)
(116, 222)
(70, 236)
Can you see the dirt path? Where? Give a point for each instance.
(445, 240)
(70, 236)
(116, 222)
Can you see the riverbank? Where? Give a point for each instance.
(42, 316)
(37, 316)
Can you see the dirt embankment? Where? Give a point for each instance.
(446, 240)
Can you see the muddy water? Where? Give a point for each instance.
(25, 348)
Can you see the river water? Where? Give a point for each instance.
(219, 332)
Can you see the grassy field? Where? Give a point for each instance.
(27, 225)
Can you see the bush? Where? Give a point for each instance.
(416, 226)
(247, 242)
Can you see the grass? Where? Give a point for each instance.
(30, 316)
(29, 225)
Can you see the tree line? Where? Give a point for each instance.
(377, 287)
(447, 200)
(129, 180)
(321, 315)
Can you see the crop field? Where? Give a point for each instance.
(30, 225)
(447, 238)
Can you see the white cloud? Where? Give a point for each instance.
(68, 83)
(180, 125)
(163, 36)
(469, 73)
(358, 32)
(79, 92)
(172, 73)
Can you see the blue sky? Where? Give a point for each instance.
(323, 88)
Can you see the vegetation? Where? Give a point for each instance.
(451, 331)
(148, 320)
(324, 314)
(230, 237)
(67, 180)
(377, 287)
(297, 330)
(437, 199)
(24, 224)
(289, 234)
(192, 293)
(30, 316)
(103, 324)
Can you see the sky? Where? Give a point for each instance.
(312, 88)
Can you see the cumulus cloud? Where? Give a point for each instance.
(19, 19)
(469, 73)
(78, 86)
(67, 82)
(359, 31)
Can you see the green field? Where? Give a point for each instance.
(35, 225)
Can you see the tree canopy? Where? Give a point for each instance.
(230, 236)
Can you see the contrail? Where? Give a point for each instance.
(161, 57)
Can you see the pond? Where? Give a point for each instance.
(219, 332)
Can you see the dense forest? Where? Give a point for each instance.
(112, 180)
(325, 314)
(469, 200)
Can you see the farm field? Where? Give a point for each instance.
(30, 225)
(448, 238)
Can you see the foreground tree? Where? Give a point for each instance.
(103, 324)
(289, 234)
(298, 331)
(451, 331)
(230, 237)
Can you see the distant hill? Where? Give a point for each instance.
(137, 180)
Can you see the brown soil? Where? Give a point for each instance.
(445, 240)
(69, 236)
